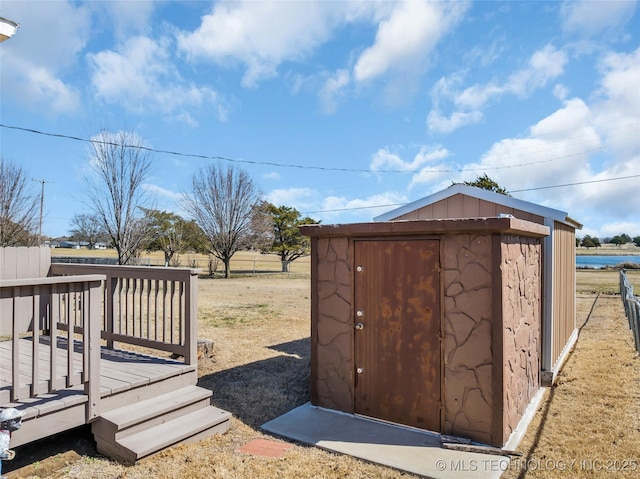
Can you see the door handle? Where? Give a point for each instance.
(359, 326)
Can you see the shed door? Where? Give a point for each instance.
(397, 321)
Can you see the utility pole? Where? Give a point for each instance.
(41, 210)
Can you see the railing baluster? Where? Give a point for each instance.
(164, 310)
(53, 334)
(15, 350)
(35, 350)
(180, 313)
(148, 309)
(172, 310)
(71, 303)
(155, 308)
(134, 286)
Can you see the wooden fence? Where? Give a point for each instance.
(631, 307)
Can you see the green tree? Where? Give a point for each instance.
(279, 232)
(587, 242)
(621, 239)
(487, 183)
(636, 241)
(171, 234)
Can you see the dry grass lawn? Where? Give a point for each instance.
(260, 370)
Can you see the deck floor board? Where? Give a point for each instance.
(120, 370)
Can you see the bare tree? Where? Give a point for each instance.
(18, 207)
(221, 202)
(116, 192)
(88, 227)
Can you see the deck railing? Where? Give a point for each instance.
(631, 307)
(146, 306)
(34, 308)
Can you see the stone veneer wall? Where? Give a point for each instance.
(332, 366)
(521, 313)
(468, 354)
(485, 390)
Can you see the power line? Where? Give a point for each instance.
(576, 184)
(302, 167)
(323, 168)
(512, 191)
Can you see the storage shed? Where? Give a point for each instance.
(559, 330)
(433, 324)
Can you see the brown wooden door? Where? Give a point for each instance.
(397, 321)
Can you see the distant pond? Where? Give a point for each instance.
(602, 261)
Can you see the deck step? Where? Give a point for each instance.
(138, 430)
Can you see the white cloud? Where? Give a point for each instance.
(260, 35)
(426, 164)
(274, 175)
(617, 111)
(617, 228)
(544, 65)
(333, 91)
(126, 17)
(587, 17)
(36, 62)
(163, 192)
(591, 145)
(299, 198)
(407, 37)
(141, 77)
(384, 159)
(439, 123)
(360, 209)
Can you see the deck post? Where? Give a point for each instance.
(110, 287)
(92, 314)
(191, 319)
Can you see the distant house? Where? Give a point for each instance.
(559, 331)
(100, 246)
(69, 244)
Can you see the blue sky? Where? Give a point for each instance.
(371, 104)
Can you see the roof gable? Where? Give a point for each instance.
(481, 194)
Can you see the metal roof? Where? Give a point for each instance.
(481, 194)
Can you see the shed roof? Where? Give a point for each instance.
(507, 225)
(485, 195)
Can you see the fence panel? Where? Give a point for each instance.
(631, 307)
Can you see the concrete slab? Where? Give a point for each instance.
(402, 448)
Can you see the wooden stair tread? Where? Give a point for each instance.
(172, 432)
(142, 411)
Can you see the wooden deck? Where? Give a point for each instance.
(137, 404)
(147, 403)
(120, 371)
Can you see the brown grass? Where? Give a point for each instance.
(260, 370)
(589, 423)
